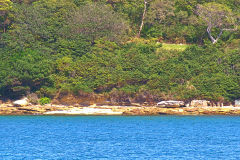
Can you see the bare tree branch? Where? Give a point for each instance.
(143, 17)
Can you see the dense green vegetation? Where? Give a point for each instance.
(186, 50)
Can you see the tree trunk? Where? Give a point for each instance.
(214, 40)
(143, 17)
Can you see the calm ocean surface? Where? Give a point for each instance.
(100, 137)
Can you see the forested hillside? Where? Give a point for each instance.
(126, 50)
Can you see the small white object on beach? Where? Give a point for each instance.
(21, 103)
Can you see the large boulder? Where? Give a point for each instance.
(21, 103)
(199, 103)
(237, 103)
(171, 104)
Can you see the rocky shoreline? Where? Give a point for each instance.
(7, 109)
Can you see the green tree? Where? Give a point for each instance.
(24, 72)
(39, 25)
(160, 10)
(5, 6)
(96, 21)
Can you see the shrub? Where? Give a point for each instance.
(44, 100)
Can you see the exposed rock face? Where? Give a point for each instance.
(237, 103)
(183, 111)
(7, 109)
(21, 103)
(31, 109)
(170, 104)
(199, 103)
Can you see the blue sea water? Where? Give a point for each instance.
(119, 137)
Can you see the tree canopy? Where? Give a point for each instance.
(217, 16)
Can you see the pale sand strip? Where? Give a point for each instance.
(84, 111)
